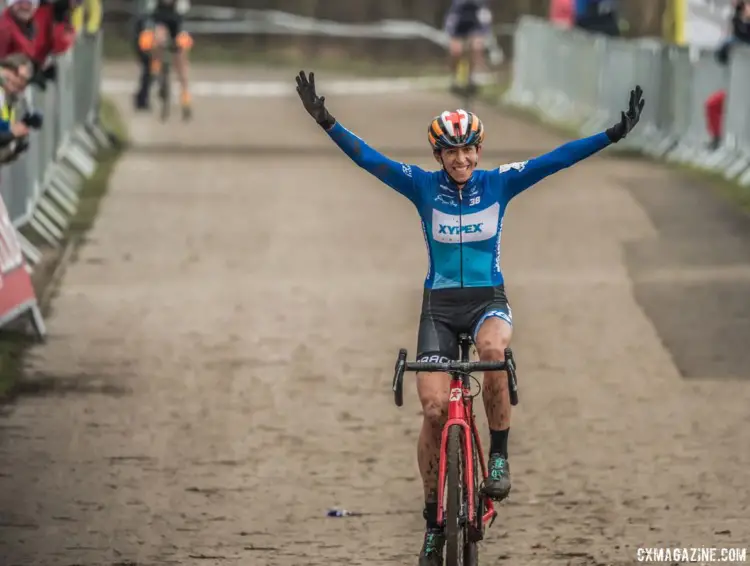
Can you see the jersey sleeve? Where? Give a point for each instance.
(517, 177)
(398, 176)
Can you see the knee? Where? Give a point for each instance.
(493, 350)
(184, 41)
(477, 44)
(146, 41)
(435, 409)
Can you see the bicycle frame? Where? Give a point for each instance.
(461, 413)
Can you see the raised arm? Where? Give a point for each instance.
(396, 175)
(517, 177)
(399, 176)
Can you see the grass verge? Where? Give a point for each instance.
(13, 343)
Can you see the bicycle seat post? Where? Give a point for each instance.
(465, 342)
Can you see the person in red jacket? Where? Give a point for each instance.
(714, 105)
(36, 29)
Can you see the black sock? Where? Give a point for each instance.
(430, 514)
(499, 442)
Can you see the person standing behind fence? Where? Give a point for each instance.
(598, 16)
(15, 72)
(38, 30)
(739, 30)
(562, 13)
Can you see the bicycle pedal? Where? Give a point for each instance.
(492, 520)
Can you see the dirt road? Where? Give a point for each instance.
(218, 369)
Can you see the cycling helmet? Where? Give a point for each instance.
(455, 129)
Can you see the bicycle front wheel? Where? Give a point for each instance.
(455, 498)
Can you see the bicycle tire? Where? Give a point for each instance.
(471, 554)
(165, 92)
(471, 547)
(455, 525)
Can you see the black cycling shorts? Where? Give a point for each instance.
(170, 20)
(468, 19)
(446, 313)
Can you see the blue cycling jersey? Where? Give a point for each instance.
(463, 228)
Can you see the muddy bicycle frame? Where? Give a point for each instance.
(460, 413)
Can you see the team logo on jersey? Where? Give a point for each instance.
(465, 229)
(518, 166)
(475, 227)
(497, 246)
(446, 199)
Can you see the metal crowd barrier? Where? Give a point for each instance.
(40, 188)
(582, 80)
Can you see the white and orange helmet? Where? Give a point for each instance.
(455, 129)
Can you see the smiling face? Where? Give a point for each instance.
(23, 9)
(13, 81)
(459, 162)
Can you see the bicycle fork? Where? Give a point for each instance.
(457, 411)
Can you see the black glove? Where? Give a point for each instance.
(39, 81)
(50, 72)
(37, 77)
(630, 118)
(21, 145)
(722, 54)
(314, 104)
(33, 120)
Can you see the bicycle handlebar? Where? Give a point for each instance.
(453, 367)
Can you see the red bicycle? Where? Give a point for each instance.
(463, 510)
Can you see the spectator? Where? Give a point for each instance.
(36, 28)
(87, 17)
(15, 72)
(562, 12)
(739, 34)
(598, 16)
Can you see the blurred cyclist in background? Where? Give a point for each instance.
(468, 21)
(161, 20)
